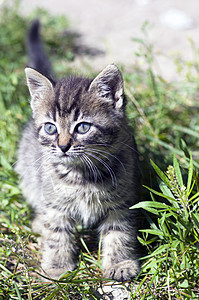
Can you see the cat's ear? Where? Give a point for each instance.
(39, 87)
(109, 84)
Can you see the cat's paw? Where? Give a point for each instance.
(123, 271)
(53, 273)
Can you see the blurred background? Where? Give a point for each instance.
(109, 27)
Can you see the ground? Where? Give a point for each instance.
(110, 25)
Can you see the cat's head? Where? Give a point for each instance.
(76, 115)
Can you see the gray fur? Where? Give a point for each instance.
(92, 181)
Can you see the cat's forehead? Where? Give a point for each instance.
(70, 94)
(72, 99)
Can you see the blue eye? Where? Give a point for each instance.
(50, 128)
(83, 127)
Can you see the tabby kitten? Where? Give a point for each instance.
(78, 164)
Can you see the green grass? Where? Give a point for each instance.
(173, 264)
(164, 117)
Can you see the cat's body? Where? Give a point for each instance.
(78, 164)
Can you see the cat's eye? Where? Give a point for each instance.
(83, 127)
(50, 128)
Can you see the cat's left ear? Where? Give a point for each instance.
(40, 88)
(38, 84)
(109, 85)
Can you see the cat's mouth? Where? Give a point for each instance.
(65, 155)
(70, 154)
(69, 157)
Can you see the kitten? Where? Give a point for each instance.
(78, 164)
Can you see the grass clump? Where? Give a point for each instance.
(171, 267)
(165, 117)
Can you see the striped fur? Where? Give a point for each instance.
(90, 177)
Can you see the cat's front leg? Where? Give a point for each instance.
(119, 253)
(58, 248)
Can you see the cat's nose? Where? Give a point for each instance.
(65, 148)
(64, 142)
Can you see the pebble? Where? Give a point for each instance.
(177, 19)
(115, 291)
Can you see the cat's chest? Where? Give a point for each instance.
(86, 202)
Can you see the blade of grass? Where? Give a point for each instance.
(161, 174)
(17, 291)
(177, 171)
(190, 175)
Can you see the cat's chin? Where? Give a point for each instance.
(69, 159)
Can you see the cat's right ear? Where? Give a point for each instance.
(39, 87)
(109, 85)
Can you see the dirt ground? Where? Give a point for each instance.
(110, 25)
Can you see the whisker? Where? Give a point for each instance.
(15, 163)
(47, 158)
(113, 147)
(93, 167)
(99, 151)
(127, 145)
(96, 168)
(34, 164)
(86, 163)
(109, 169)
